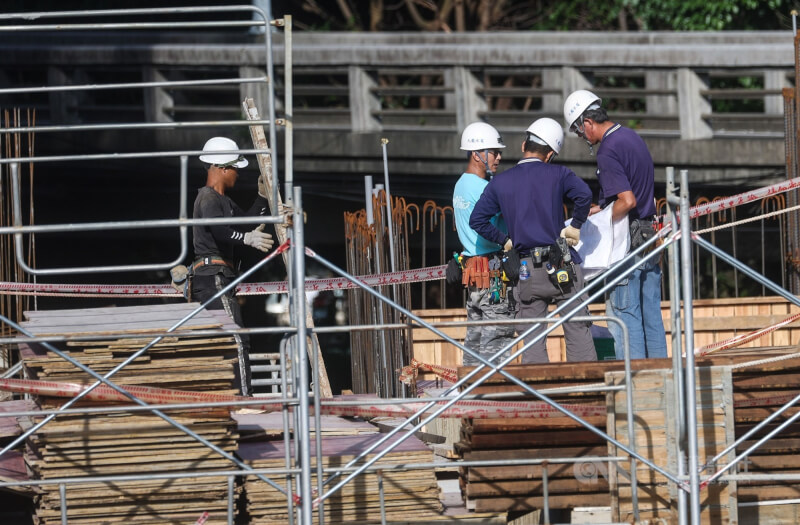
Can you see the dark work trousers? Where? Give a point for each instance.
(534, 296)
(203, 288)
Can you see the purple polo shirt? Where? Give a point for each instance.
(624, 164)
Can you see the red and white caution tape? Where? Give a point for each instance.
(409, 373)
(132, 291)
(743, 198)
(338, 406)
(744, 338)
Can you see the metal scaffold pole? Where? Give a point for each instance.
(691, 398)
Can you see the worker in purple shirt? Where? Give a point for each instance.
(531, 198)
(626, 176)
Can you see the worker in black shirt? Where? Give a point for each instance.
(216, 246)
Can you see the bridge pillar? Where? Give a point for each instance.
(63, 104)
(362, 101)
(774, 79)
(466, 101)
(257, 90)
(157, 102)
(664, 104)
(572, 79)
(553, 79)
(692, 106)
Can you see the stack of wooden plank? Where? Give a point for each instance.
(15, 501)
(519, 488)
(755, 392)
(765, 387)
(408, 495)
(656, 433)
(133, 443)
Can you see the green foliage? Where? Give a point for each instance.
(654, 15)
(703, 15)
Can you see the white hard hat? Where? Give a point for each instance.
(223, 159)
(480, 135)
(578, 102)
(549, 132)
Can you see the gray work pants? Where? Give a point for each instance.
(534, 296)
(487, 340)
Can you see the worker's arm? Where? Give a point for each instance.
(625, 202)
(480, 218)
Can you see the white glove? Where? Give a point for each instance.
(258, 239)
(571, 234)
(262, 188)
(508, 245)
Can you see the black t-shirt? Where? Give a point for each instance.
(220, 241)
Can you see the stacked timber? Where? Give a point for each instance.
(733, 396)
(140, 444)
(15, 501)
(520, 488)
(408, 495)
(656, 426)
(760, 390)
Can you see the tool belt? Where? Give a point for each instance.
(212, 259)
(560, 272)
(477, 273)
(642, 230)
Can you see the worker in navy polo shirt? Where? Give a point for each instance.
(626, 175)
(531, 198)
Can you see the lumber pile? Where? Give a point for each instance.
(656, 431)
(408, 495)
(732, 398)
(764, 385)
(133, 443)
(519, 488)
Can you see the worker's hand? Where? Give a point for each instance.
(262, 188)
(571, 234)
(259, 240)
(508, 245)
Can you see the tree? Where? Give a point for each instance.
(563, 15)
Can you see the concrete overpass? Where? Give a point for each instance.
(418, 90)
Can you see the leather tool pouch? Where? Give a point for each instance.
(476, 272)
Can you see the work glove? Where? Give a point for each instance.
(572, 235)
(509, 244)
(179, 275)
(258, 239)
(262, 188)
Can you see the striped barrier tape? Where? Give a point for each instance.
(337, 406)
(744, 338)
(430, 273)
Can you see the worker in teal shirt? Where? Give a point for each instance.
(488, 295)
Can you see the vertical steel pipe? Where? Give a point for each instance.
(691, 393)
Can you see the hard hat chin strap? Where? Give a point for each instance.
(582, 134)
(485, 160)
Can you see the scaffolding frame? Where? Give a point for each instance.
(677, 239)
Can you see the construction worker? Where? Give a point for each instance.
(530, 196)
(216, 246)
(626, 176)
(488, 298)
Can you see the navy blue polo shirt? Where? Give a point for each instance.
(624, 164)
(531, 198)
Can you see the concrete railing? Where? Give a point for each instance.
(666, 84)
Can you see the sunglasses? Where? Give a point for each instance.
(232, 163)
